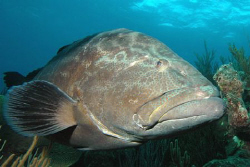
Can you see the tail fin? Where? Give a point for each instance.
(38, 108)
(13, 79)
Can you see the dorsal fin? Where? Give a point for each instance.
(69, 47)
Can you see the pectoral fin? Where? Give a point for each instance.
(38, 108)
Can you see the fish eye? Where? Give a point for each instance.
(159, 63)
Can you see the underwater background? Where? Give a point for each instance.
(205, 33)
(32, 31)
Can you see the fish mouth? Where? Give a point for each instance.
(199, 101)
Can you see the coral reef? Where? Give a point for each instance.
(237, 160)
(234, 84)
(232, 88)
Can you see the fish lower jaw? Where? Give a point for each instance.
(170, 128)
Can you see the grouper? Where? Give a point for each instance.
(112, 90)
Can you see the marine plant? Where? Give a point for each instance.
(2, 142)
(234, 82)
(205, 143)
(202, 145)
(151, 154)
(241, 63)
(177, 158)
(2, 146)
(206, 64)
(31, 160)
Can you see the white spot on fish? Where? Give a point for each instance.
(88, 64)
(64, 74)
(131, 101)
(136, 119)
(138, 61)
(77, 58)
(200, 94)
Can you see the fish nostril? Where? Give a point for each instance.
(183, 73)
(159, 63)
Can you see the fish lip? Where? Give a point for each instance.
(186, 88)
(162, 94)
(204, 98)
(213, 114)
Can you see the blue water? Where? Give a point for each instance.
(32, 31)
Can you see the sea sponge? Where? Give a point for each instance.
(232, 88)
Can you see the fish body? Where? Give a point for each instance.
(111, 90)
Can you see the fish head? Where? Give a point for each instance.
(141, 89)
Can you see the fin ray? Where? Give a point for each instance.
(38, 108)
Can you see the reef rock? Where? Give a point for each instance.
(240, 159)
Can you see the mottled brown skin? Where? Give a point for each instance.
(118, 79)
